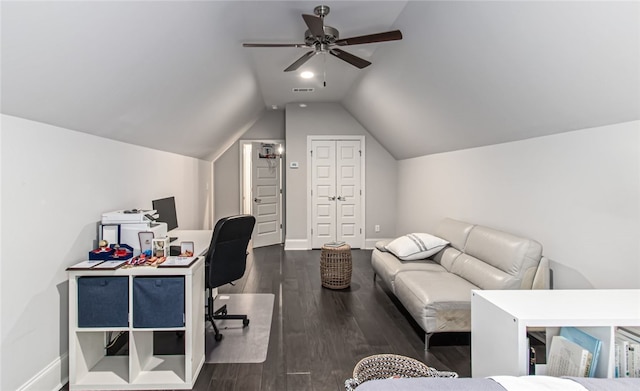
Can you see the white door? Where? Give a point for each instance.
(348, 192)
(323, 192)
(336, 192)
(266, 194)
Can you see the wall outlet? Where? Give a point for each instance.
(376, 228)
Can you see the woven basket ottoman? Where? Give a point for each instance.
(336, 267)
(384, 366)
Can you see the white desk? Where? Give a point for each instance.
(91, 369)
(499, 322)
(201, 239)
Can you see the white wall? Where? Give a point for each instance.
(380, 168)
(55, 185)
(578, 193)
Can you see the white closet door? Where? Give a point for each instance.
(348, 222)
(336, 192)
(323, 197)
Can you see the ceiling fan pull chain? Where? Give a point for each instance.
(324, 70)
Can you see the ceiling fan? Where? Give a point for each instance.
(324, 39)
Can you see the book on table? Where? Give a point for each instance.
(567, 358)
(627, 352)
(586, 341)
(334, 244)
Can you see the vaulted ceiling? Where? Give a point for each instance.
(173, 75)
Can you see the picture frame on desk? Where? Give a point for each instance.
(110, 233)
(146, 239)
(187, 249)
(160, 247)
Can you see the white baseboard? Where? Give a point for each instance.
(296, 244)
(53, 377)
(303, 244)
(370, 244)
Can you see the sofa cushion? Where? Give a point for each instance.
(455, 232)
(416, 246)
(447, 257)
(437, 301)
(387, 266)
(511, 254)
(482, 274)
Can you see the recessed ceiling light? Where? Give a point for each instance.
(306, 75)
(303, 105)
(274, 107)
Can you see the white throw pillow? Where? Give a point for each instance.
(416, 246)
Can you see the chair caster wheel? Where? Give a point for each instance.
(245, 322)
(218, 337)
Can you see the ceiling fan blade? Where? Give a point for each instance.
(371, 38)
(315, 24)
(300, 61)
(350, 58)
(274, 45)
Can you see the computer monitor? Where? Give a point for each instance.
(166, 209)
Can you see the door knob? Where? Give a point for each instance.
(257, 200)
(341, 198)
(332, 198)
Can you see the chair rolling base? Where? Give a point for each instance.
(221, 313)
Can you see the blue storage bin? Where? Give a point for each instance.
(158, 302)
(103, 301)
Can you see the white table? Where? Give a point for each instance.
(500, 318)
(91, 369)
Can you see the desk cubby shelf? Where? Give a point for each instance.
(500, 321)
(90, 368)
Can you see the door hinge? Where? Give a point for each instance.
(311, 231)
(281, 191)
(360, 230)
(312, 192)
(280, 226)
(311, 152)
(360, 152)
(360, 191)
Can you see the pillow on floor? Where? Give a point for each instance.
(416, 246)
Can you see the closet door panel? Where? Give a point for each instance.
(323, 169)
(349, 195)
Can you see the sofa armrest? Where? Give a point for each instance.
(542, 279)
(381, 245)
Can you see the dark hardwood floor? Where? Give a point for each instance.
(318, 335)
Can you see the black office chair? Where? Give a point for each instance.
(226, 262)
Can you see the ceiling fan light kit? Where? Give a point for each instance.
(324, 39)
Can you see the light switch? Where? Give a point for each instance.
(293, 165)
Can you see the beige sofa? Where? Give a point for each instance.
(437, 291)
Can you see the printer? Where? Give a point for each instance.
(131, 223)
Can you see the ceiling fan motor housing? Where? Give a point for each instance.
(331, 34)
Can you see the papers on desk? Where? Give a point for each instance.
(109, 265)
(97, 264)
(178, 262)
(85, 265)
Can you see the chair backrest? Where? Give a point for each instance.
(226, 259)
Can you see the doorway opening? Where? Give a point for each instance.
(261, 189)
